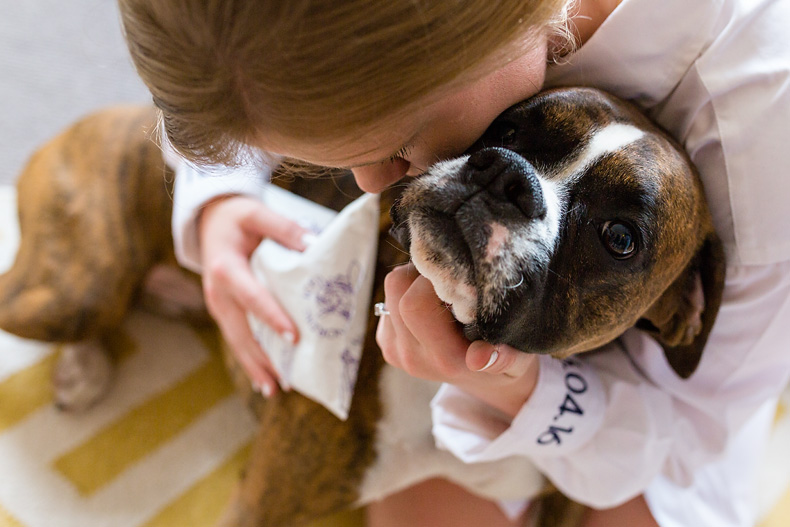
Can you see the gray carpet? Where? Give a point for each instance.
(58, 61)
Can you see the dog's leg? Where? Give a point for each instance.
(304, 463)
(82, 375)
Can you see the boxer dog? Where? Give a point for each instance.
(571, 220)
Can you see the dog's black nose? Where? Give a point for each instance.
(509, 177)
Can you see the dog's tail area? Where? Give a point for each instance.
(40, 303)
(30, 315)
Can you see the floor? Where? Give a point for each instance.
(58, 61)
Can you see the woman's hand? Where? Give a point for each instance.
(230, 229)
(421, 337)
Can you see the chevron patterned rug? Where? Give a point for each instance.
(165, 447)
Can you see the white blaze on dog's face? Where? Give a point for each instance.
(545, 234)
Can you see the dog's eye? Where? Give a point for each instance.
(619, 239)
(500, 134)
(508, 135)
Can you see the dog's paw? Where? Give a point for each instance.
(82, 375)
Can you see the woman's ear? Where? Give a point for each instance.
(682, 318)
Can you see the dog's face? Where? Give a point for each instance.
(570, 220)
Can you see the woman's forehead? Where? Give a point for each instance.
(374, 145)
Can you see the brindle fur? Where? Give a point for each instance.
(90, 204)
(93, 205)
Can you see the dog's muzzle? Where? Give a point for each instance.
(508, 177)
(475, 226)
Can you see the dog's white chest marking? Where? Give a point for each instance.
(407, 451)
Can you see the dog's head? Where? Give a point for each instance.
(572, 219)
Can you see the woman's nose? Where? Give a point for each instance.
(375, 178)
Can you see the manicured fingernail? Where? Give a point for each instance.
(267, 390)
(491, 360)
(264, 389)
(288, 337)
(308, 239)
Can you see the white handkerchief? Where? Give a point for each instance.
(326, 290)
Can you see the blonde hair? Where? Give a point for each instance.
(221, 71)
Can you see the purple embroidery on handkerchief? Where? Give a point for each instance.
(332, 301)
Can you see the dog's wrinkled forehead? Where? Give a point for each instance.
(549, 128)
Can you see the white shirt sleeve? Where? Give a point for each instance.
(635, 419)
(196, 186)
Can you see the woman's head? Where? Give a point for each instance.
(228, 72)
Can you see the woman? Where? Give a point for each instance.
(386, 88)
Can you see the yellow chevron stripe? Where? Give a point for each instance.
(780, 516)
(6, 520)
(355, 518)
(204, 502)
(26, 391)
(30, 389)
(144, 429)
(781, 411)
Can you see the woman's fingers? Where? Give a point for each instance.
(432, 324)
(231, 318)
(391, 335)
(231, 229)
(248, 352)
(506, 376)
(265, 223)
(230, 281)
(419, 335)
(499, 359)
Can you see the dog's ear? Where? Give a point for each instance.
(682, 318)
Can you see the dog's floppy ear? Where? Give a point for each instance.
(682, 318)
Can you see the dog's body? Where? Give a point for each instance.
(91, 204)
(304, 461)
